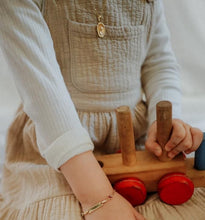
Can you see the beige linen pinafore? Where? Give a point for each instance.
(31, 189)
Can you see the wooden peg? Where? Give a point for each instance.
(164, 126)
(143, 164)
(126, 135)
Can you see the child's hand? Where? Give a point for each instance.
(90, 185)
(184, 138)
(117, 208)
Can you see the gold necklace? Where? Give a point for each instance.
(100, 26)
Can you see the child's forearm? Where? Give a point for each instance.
(86, 178)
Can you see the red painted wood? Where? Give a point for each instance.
(175, 188)
(132, 189)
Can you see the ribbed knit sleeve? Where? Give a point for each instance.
(160, 72)
(26, 42)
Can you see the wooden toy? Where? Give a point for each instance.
(134, 173)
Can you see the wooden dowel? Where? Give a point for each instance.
(126, 135)
(164, 126)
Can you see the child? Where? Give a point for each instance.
(72, 68)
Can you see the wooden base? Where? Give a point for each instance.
(149, 169)
(196, 176)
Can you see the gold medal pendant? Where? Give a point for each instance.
(100, 28)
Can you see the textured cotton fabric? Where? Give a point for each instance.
(100, 74)
(32, 190)
(26, 41)
(53, 125)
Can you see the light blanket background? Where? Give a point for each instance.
(186, 22)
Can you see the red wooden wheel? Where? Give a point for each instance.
(175, 188)
(132, 189)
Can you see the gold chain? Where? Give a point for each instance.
(100, 26)
(98, 205)
(99, 14)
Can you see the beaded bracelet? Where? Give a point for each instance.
(98, 205)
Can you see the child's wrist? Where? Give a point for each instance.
(97, 205)
(87, 179)
(96, 190)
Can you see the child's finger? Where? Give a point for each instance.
(151, 144)
(184, 145)
(178, 134)
(153, 147)
(197, 137)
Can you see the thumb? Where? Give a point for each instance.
(151, 142)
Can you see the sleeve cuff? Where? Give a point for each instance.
(68, 145)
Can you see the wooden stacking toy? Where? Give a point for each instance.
(134, 173)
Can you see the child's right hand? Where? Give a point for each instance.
(184, 138)
(117, 208)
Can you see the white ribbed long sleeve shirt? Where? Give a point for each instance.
(28, 47)
(26, 42)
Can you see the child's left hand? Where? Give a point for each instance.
(184, 138)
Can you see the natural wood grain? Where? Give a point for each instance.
(197, 176)
(164, 126)
(143, 164)
(126, 135)
(147, 168)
